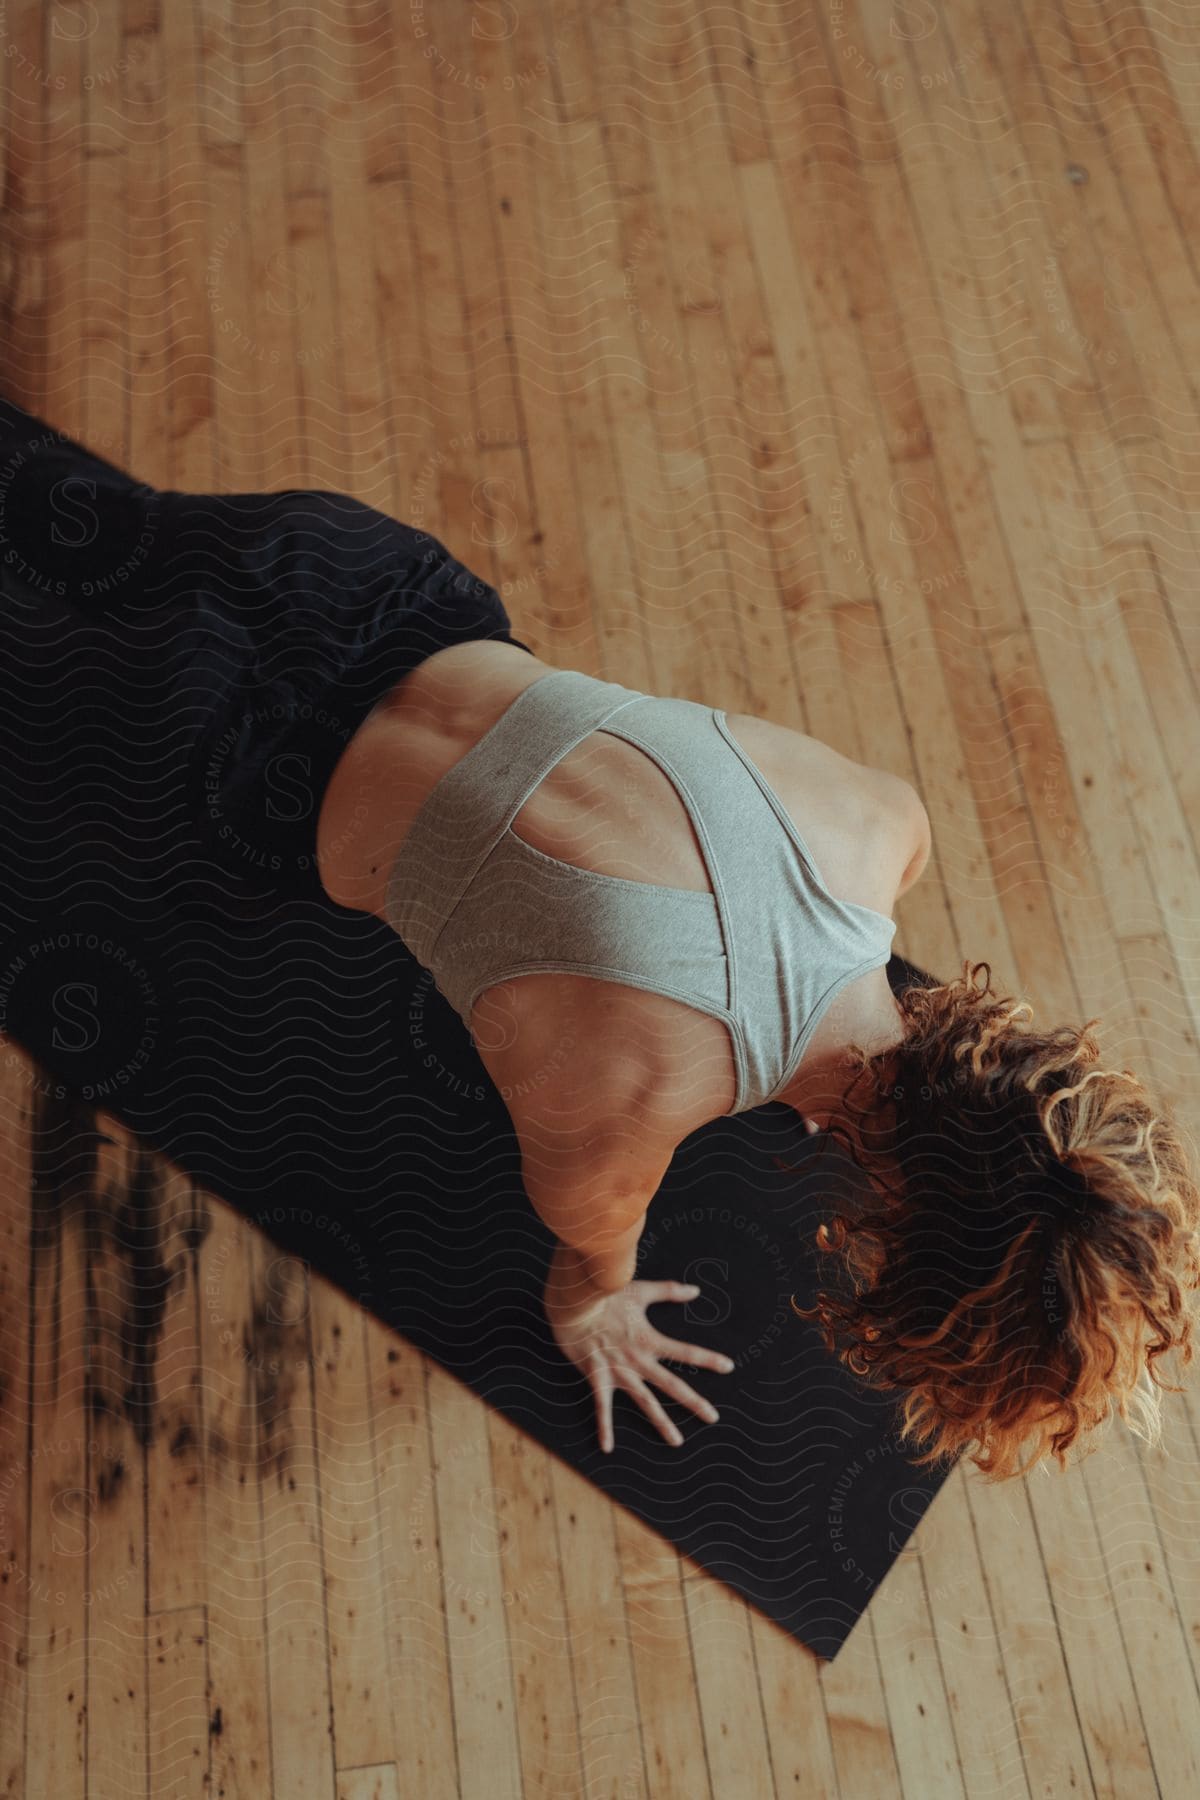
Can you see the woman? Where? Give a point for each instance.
(484, 744)
(1036, 1213)
(683, 913)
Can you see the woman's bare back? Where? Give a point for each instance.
(570, 1050)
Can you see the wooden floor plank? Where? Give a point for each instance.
(123, 1293)
(1148, 1577)
(351, 1536)
(735, 85)
(793, 1708)
(178, 1704)
(147, 224)
(952, 1565)
(1013, 251)
(1159, 895)
(480, 1654)
(1162, 414)
(1152, 277)
(1084, 313)
(418, 1651)
(67, 239)
(1168, 1472)
(1174, 39)
(697, 631)
(546, 541)
(287, 1447)
(60, 1472)
(266, 293)
(856, 1709)
(363, 399)
(188, 217)
(234, 1560)
(1024, 1626)
(811, 467)
(731, 1710)
(818, 363)
(935, 704)
(612, 1752)
(105, 303)
(634, 545)
(226, 66)
(493, 315)
(729, 348)
(378, 1783)
(554, 71)
(548, 1668)
(28, 189)
(173, 1377)
(1082, 1586)
(17, 1419)
(663, 1654)
(300, 285)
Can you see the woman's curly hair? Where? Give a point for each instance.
(1036, 1237)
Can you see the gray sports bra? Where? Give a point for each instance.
(765, 952)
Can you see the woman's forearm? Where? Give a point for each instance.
(594, 1203)
(607, 1267)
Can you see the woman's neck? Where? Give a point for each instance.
(866, 1013)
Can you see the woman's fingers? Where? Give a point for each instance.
(690, 1353)
(655, 1291)
(650, 1405)
(660, 1345)
(679, 1390)
(602, 1388)
(626, 1349)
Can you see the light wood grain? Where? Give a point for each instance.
(834, 363)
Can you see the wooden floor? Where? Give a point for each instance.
(822, 359)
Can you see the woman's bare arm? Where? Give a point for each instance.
(595, 1202)
(922, 837)
(594, 1197)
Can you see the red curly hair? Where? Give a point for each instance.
(1036, 1237)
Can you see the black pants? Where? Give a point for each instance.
(183, 671)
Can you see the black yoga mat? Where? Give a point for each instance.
(310, 1073)
(295, 1059)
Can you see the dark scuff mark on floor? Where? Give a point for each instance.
(275, 1345)
(128, 1277)
(138, 1233)
(64, 1148)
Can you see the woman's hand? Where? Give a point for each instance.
(609, 1338)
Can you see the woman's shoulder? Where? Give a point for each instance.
(862, 824)
(469, 679)
(418, 729)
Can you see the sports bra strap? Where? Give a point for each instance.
(444, 848)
